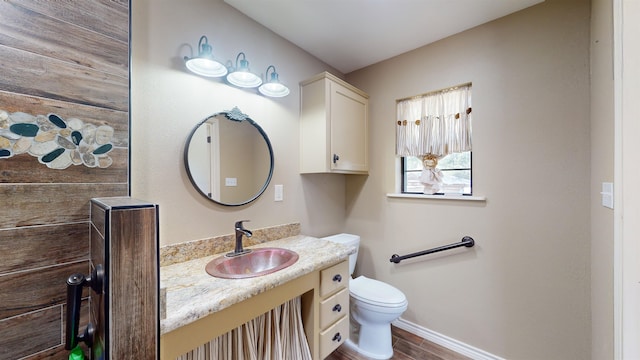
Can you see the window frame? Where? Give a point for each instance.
(403, 176)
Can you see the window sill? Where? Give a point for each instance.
(438, 197)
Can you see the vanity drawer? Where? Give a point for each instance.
(334, 278)
(333, 337)
(334, 308)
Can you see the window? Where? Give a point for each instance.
(433, 139)
(455, 169)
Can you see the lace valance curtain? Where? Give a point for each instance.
(437, 123)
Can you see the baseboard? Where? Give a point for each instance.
(443, 340)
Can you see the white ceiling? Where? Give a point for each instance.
(352, 34)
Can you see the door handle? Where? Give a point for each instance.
(75, 284)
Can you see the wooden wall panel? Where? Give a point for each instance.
(97, 242)
(98, 249)
(41, 204)
(98, 216)
(109, 17)
(48, 337)
(132, 276)
(27, 30)
(69, 58)
(137, 302)
(31, 290)
(43, 329)
(36, 75)
(97, 316)
(26, 169)
(35, 247)
(56, 353)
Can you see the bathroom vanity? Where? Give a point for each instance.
(200, 307)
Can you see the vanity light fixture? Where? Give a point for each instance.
(241, 76)
(204, 64)
(273, 87)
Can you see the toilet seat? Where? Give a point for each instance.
(376, 293)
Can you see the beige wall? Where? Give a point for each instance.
(523, 292)
(602, 148)
(167, 102)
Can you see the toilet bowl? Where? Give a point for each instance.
(374, 305)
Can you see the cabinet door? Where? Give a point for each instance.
(348, 130)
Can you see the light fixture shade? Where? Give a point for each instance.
(204, 64)
(242, 76)
(273, 88)
(206, 67)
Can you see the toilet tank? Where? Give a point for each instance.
(347, 239)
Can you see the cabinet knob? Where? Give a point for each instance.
(337, 308)
(335, 158)
(337, 337)
(337, 278)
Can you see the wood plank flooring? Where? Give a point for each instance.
(406, 346)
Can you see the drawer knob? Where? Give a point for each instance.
(337, 278)
(337, 308)
(337, 337)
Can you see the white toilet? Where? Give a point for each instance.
(374, 305)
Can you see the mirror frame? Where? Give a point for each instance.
(233, 115)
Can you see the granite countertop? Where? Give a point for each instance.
(192, 294)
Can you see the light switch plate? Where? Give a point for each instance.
(607, 195)
(278, 193)
(231, 182)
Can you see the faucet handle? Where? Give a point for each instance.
(239, 224)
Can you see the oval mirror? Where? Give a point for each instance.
(229, 158)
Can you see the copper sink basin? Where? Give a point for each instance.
(258, 262)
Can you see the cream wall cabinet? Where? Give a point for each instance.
(333, 126)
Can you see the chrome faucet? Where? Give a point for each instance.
(240, 230)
